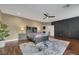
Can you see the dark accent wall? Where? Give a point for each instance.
(68, 28)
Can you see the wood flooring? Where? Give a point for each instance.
(73, 48)
(12, 48)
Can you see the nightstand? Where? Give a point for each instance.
(22, 36)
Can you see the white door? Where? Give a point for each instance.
(50, 29)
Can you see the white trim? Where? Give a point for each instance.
(11, 40)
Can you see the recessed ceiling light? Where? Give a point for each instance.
(67, 5)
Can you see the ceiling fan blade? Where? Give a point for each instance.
(51, 16)
(44, 17)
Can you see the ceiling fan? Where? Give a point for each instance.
(47, 16)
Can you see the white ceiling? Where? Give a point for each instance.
(35, 11)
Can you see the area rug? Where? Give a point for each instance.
(58, 47)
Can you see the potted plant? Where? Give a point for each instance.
(3, 34)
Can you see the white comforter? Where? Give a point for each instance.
(51, 47)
